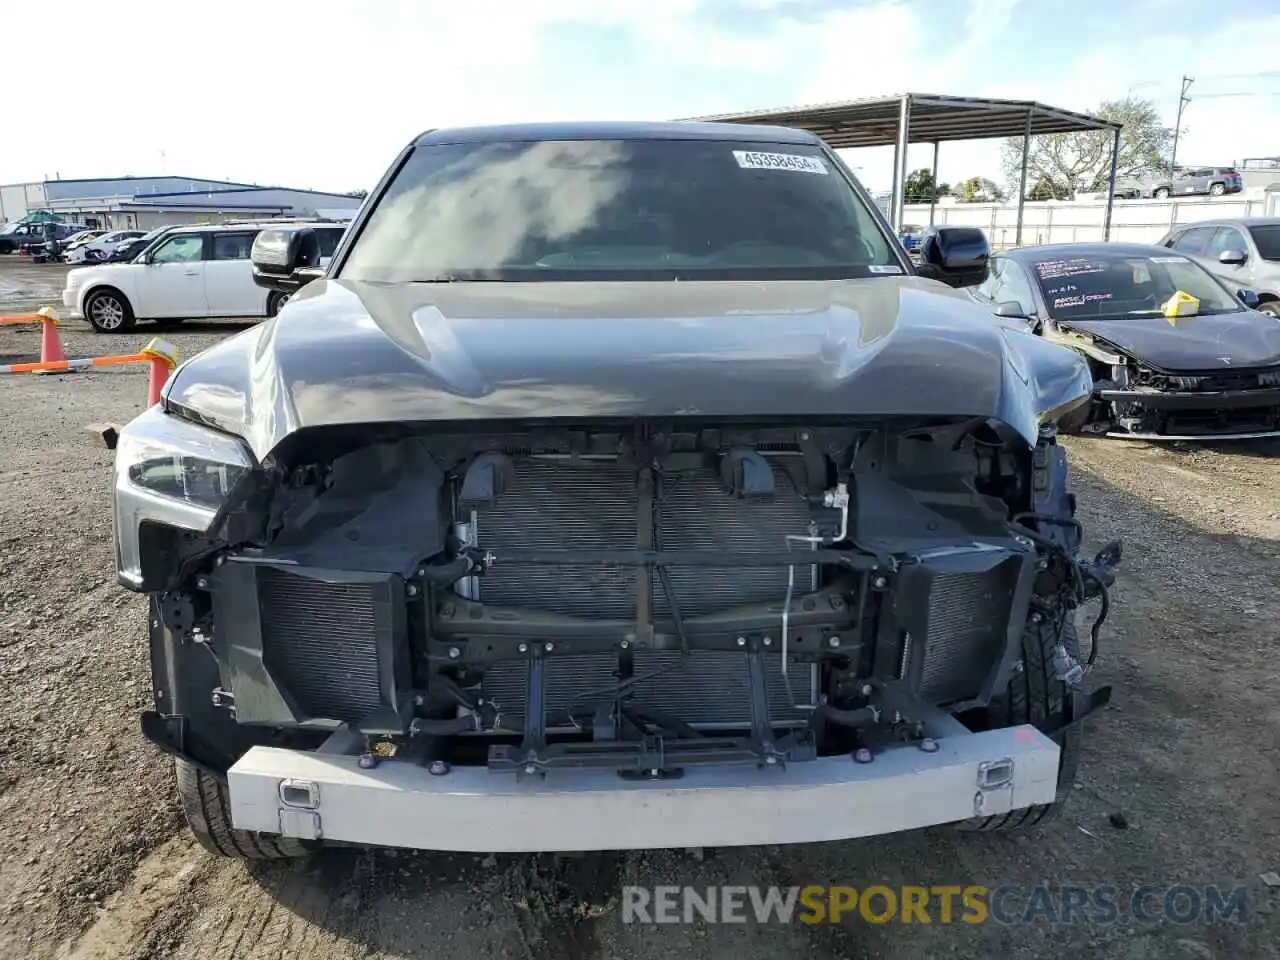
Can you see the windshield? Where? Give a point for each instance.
(1267, 240)
(614, 209)
(1113, 285)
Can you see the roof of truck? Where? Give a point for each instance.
(619, 130)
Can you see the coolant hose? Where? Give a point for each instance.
(862, 717)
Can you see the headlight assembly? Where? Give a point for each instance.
(172, 473)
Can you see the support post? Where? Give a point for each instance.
(933, 199)
(900, 161)
(1111, 185)
(1022, 179)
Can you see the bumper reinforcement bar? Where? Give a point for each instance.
(316, 796)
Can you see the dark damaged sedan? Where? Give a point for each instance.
(1212, 373)
(614, 486)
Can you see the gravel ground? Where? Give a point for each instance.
(95, 862)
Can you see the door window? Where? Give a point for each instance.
(1226, 238)
(232, 246)
(1016, 288)
(328, 241)
(994, 282)
(184, 249)
(1193, 241)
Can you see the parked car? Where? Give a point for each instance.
(1214, 181)
(1243, 252)
(1190, 181)
(17, 236)
(100, 248)
(1214, 375)
(182, 273)
(615, 486)
(128, 250)
(81, 238)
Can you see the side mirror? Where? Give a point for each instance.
(1249, 298)
(1011, 310)
(286, 258)
(1232, 258)
(955, 255)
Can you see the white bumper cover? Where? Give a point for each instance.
(400, 804)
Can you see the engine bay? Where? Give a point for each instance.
(641, 598)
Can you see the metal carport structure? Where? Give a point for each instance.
(908, 118)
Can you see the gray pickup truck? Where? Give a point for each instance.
(614, 486)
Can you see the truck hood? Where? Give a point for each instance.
(345, 352)
(1242, 340)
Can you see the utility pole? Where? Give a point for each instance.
(1183, 100)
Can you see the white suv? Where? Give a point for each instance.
(188, 272)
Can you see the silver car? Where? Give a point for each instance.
(1245, 252)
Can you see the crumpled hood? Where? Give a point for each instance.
(1238, 341)
(344, 352)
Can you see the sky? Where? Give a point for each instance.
(325, 94)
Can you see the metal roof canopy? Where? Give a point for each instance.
(908, 118)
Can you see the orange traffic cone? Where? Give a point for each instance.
(50, 341)
(164, 358)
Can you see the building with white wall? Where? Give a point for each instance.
(146, 202)
(1079, 221)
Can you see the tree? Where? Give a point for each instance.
(980, 190)
(1071, 163)
(920, 187)
(1045, 190)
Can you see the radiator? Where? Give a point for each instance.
(593, 505)
(950, 651)
(321, 642)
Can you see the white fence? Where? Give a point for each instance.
(1076, 221)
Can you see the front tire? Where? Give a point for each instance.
(108, 311)
(207, 808)
(275, 301)
(1033, 696)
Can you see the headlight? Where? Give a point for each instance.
(171, 472)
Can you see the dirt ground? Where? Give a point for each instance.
(1179, 781)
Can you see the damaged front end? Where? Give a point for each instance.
(1148, 404)
(642, 598)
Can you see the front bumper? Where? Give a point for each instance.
(319, 796)
(1264, 401)
(71, 300)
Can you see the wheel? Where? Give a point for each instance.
(108, 311)
(166, 322)
(1033, 696)
(275, 301)
(1217, 189)
(207, 808)
(1270, 306)
(1161, 193)
(6, 246)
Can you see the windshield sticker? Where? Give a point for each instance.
(1168, 259)
(883, 268)
(1074, 267)
(1079, 300)
(750, 160)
